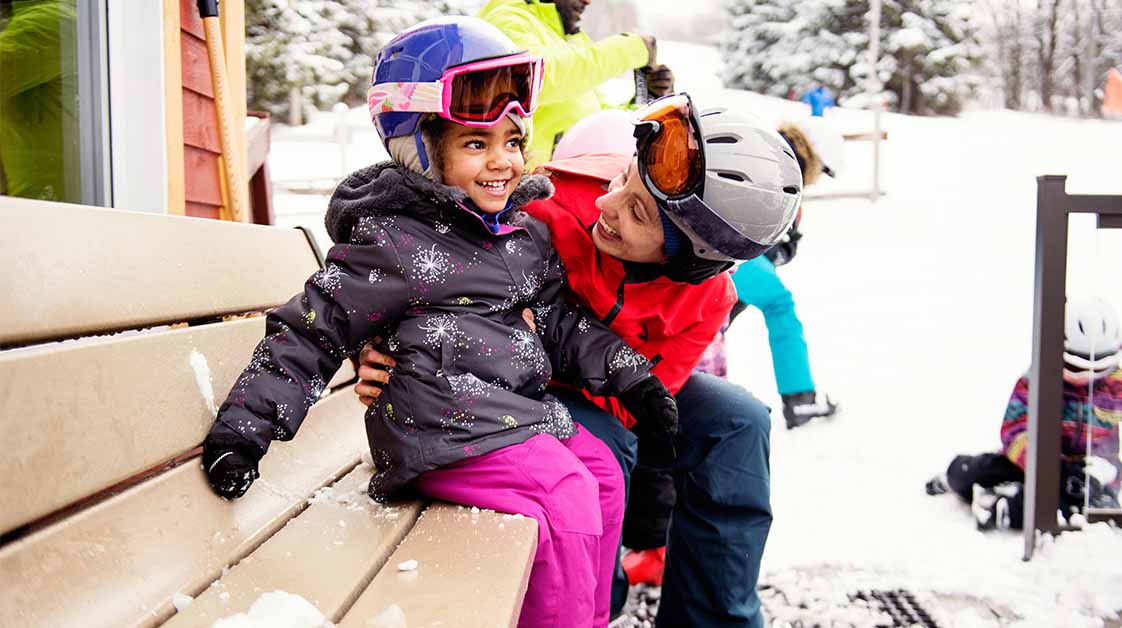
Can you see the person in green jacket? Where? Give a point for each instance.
(574, 64)
(39, 101)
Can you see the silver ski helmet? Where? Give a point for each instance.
(726, 179)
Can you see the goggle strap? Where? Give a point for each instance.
(405, 97)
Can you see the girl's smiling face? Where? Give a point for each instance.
(629, 227)
(484, 163)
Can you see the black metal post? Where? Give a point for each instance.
(1042, 458)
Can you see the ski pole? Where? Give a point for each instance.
(233, 167)
(642, 96)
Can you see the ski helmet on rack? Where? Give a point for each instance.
(1092, 340)
(725, 178)
(414, 78)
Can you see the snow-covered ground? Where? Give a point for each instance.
(917, 309)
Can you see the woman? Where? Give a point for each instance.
(648, 258)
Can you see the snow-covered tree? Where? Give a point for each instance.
(1053, 54)
(929, 49)
(324, 49)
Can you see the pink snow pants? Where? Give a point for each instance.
(574, 489)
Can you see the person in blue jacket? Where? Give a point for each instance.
(820, 99)
(818, 149)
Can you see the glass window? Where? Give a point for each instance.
(48, 150)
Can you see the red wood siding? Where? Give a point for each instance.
(202, 185)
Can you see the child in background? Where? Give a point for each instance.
(993, 483)
(434, 253)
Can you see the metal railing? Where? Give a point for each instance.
(1042, 468)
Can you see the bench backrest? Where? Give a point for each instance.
(82, 420)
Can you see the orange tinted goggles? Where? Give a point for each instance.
(671, 159)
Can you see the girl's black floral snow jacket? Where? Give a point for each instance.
(414, 266)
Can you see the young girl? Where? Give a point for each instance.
(436, 256)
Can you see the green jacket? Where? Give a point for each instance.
(574, 66)
(39, 101)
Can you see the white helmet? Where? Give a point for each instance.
(1092, 340)
(826, 142)
(605, 132)
(753, 188)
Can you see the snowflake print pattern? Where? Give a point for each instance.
(441, 227)
(626, 357)
(440, 329)
(583, 324)
(526, 353)
(557, 421)
(313, 391)
(284, 416)
(466, 389)
(512, 247)
(376, 275)
(525, 292)
(431, 266)
(329, 279)
(530, 287)
(541, 315)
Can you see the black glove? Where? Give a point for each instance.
(656, 421)
(1073, 487)
(660, 81)
(784, 252)
(230, 464)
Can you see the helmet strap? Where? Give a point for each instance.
(422, 154)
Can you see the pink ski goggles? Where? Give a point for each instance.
(478, 94)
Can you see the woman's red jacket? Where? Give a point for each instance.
(669, 322)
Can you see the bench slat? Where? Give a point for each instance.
(118, 563)
(345, 374)
(71, 270)
(472, 571)
(327, 555)
(82, 416)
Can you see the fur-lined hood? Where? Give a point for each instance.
(388, 188)
(809, 160)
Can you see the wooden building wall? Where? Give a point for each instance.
(194, 136)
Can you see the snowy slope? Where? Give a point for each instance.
(917, 310)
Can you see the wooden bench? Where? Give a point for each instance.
(104, 508)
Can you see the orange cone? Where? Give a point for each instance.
(1112, 99)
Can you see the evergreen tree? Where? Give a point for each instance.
(929, 49)
(325, 49)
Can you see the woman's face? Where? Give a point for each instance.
(485, 163)
(629, 227)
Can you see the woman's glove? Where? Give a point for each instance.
(656, 421)
(230, 465)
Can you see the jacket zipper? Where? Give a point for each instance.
(607, 320)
